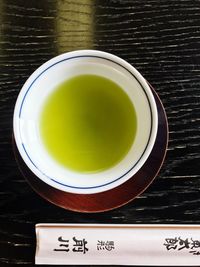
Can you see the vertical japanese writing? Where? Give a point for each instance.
(179, 244)
(105, 245)
(79, 245)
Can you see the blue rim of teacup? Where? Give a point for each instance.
(29, 88)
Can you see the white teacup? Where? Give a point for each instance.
(44, 81)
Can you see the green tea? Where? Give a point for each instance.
(88, 123)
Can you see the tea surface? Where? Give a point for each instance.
(88, 123)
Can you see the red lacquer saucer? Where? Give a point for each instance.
(113, 198)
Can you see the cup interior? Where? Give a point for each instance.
(44, 81)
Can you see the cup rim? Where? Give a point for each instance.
(50, 63)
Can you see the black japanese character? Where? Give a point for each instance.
(110, 245)
(195, 244)
(80, 245)
(184, 243)
(101, 245)
(171, 243)
(65, 246)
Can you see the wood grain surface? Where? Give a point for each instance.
(162, 40)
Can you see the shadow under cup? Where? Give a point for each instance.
(44, 81)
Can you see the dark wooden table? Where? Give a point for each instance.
(162, 40)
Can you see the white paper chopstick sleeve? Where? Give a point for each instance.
(73, 244)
